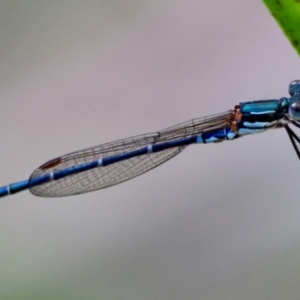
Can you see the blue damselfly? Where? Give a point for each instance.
(112, 163)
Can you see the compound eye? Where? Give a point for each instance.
(294, 111)
(294, 87)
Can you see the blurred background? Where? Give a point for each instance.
(216, 222)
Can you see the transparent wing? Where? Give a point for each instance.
(123, 170)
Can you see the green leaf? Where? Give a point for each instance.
(287, 15)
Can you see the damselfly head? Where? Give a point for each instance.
(294, 88)
(294, 101)
(294, 110)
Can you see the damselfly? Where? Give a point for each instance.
(112, 163)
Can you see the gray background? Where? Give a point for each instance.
(216, 222)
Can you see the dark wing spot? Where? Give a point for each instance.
(52, 163)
